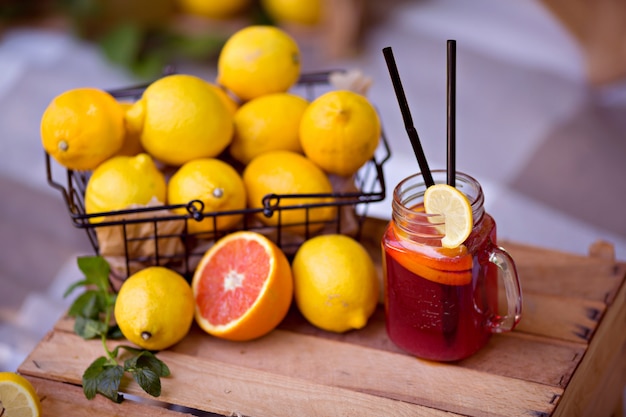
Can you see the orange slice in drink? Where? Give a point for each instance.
(455, 207)
(243, 287)
(444, 270)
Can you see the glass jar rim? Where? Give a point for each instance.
(410, 191)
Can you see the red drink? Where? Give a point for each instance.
(442, 304)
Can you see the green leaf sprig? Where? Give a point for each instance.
(93, 314)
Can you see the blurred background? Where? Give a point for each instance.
(541, 110)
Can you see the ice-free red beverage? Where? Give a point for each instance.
(442, 304)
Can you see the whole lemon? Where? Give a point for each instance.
(340, 131)
(214, 182)
(154, 308)
(123, 181)
(82, 127)
(181, 117)
(335, 282)
(303, 12)
(289, 173)
(258, 60)
(214, 9)
(268, 123)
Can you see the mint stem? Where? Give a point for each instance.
(103, 337)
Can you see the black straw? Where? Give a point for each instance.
(406, 116)
(451, 99)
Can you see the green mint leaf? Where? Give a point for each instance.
(103, 377)
(115, 333)
(91, 375)
(148, 380)
(89, 328)
(196, 46)
(89, 304)
(110, 299)
(147, 360)
(122, 44)
(150, 64)
(109, 382)
(96, 270)
(75, 285)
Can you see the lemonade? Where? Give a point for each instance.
(449, 327)
(442, 303)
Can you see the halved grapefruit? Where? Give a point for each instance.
(243, 287)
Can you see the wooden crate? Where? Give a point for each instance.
(566, 358)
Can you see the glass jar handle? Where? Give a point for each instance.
(512, 290)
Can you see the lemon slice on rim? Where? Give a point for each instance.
(455, 207)
(17, 396)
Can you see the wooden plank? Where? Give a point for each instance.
(359, 380)
(534, 255)
(552, 362)
(558, 317)
(598, 383)
(67, 400)
(530, 358)
(584, 282)
(505, 356)
(208, 385)
(608, 395)
(561, 274)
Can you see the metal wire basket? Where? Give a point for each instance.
(155, 235)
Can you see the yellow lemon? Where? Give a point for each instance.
(456, 210)
(214, 9)
(289, 173)
(212, 181)
(267, 123)
(181, 117)
(335, 283)
(340, 131)
(123, 181)
(258, 60)
(303, 12)
(82, 127)
(154, 308)
(18, 396)
(131, 145)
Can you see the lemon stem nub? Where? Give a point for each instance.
(146, 335)
(63, 146)
(218, 192)
(135, 116)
